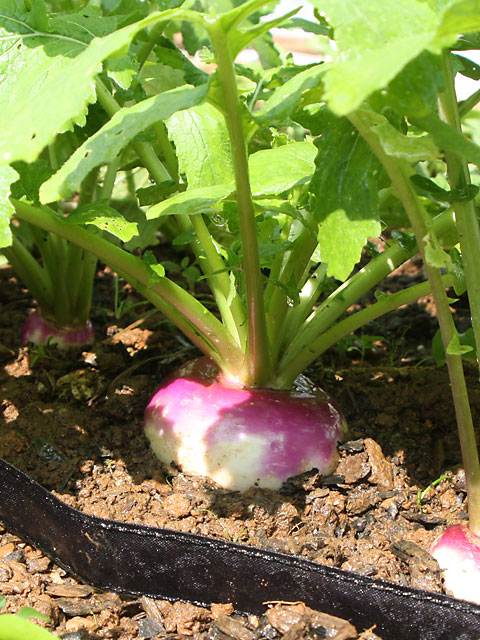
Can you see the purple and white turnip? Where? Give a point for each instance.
(242, 437)
(39, 330)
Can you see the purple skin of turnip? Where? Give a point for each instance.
(39, 330)
(457, 551)
(242, 437)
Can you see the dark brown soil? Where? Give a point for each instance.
(74, 424)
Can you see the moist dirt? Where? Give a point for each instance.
(73, 422)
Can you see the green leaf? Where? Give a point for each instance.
(202, 145)
(273, 171)
(455, 348)
(457, 17)
(426, 187)
(376, 40)
(7, 177)
(285, 100)
(448, 138)
(240, 39)
(117, 133)
(394, 142)
(191, 202)
(155, 270)
(435, 255)
(83, 25)
(100, 215)
(467, 67)
(52, 76)
(414, 91)
(12, 627)
(307, 25)
(31, 177)
(344, 186)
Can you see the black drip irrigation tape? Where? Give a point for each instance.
(160, 563)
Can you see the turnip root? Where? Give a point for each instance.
(457, 551)
(39, 330)
(242, 437)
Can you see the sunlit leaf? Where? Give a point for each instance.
(191, 202)
(106, 144)
(344, 186)
(294, 164)
(104, 217)
(202, 145)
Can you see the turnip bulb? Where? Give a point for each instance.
(242, 437)
(39, 330)
(457, 551)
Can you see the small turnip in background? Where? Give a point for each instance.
(39, 330)
(457, 551)
(242, 437)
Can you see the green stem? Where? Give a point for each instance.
(198, 324)
(211, 261)
(258, 359)
(109, 179)
(309, 294)
(166, 148)
(465, 212)
(467, 105)
(220, 282)
(35, 278)
(78, 282)
(300, 352)
(399, 173)
(294, 265)
(83, 301)
(144, 150)
(361, 318)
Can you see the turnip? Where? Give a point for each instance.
(457, 551)
(39, 330)
(242, 437)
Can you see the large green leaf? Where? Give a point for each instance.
(191, 202)
(101, 215)
(115, 135)
(377, 39)
(273, 171)
(286, 98)
(48, 79)
(202, 145)
(411, 148)
(7, 176)
(344, 186)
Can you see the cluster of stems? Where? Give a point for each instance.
(261, 338)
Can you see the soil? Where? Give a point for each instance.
(74, 424)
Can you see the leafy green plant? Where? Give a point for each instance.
(274, 175)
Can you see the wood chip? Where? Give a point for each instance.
(69, 590)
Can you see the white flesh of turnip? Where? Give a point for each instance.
(242, 437)
(457, 551)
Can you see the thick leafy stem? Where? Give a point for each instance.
(399, 172)
(466, 211)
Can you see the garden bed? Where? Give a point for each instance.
(74, 424)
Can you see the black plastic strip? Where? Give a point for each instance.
(160, 563)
